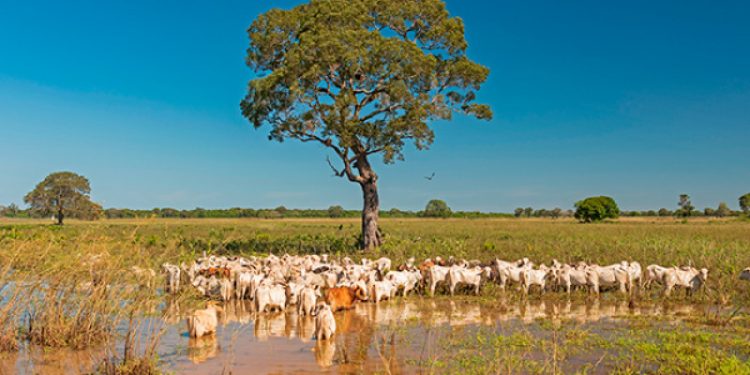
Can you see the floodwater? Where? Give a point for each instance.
(400, 336)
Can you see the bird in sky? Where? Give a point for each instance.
(429, 178)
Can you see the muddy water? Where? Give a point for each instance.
(400, 335)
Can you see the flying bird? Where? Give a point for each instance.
(430, 177)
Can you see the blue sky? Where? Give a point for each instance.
(639, 100)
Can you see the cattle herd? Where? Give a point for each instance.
(319, 286)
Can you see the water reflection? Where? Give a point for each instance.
(283, 342)
(202, 349)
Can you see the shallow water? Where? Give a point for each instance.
(401, 335)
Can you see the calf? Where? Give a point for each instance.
(342, 298)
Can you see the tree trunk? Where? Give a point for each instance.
(60, 215)
(371, 236)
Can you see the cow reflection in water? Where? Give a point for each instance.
(364, 326)
(305, 328)
(203, 348)
(270, 325)
(325, 350)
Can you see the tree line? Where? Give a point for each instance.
(67, 195)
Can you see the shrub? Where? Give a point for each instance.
(336, 211)
(596, 209)
(437, 208)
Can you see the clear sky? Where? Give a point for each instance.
(640, 100)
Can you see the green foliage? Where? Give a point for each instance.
(437, 208)
(686, 207)
(596, 209)
(360, 76)
(723, 210)
(336, 211)
(745, 203)
(63, 194)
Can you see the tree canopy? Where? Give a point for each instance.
(686, 206)
(596, 209)
(745, 203)
(63, 194)
(437, 208)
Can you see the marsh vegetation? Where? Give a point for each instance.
(83, 293)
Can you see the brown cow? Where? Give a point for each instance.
(342, 298)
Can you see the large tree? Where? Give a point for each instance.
(63, 194)
(362, 78)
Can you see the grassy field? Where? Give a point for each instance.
(53, 263)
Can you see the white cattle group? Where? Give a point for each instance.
(275, 283)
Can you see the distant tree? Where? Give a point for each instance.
(557, 212)
(596, 209)
(686, 207)
(708, 211)
(437, 208)
(362, 79)
(664, 212)
(745, 203)
(651, 213)
(11, 211)
(723, 210)
(63, 194)
(336, 211)
(518, 212)
(528, 211)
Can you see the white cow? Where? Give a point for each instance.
(687, 277)
(381, 290)
(635, 274)
(654, 273)
(173, 277)
(226, 289)
(745, 274)
(530, 277)
(325, 323)
(613, 275)
(438, 274)
(243, 284)
(306, 300)
(404, 279)
(292, 292)
(270, 297)
(511, 271)
(568, 277)
(203, 322)
(470, 276)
